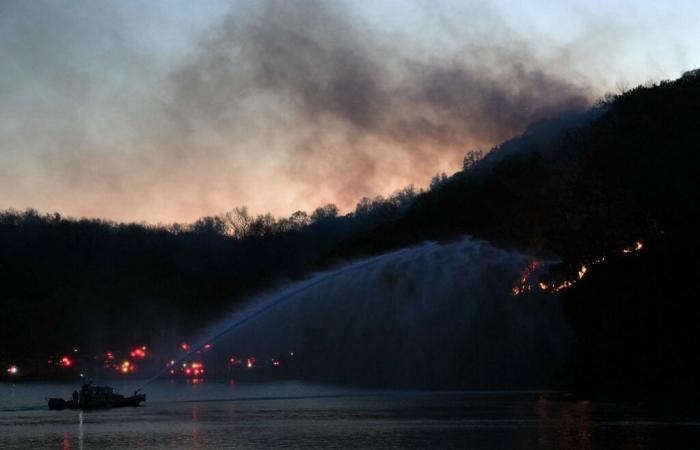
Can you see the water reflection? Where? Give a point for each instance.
(80, 430)
(584, 425)
(542, 407)
(320, 417)
(197, 440)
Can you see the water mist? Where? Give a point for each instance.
(433, 315)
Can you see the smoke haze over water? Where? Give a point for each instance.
(141, 113)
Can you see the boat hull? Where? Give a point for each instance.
(117, 402)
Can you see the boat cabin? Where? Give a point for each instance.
(90, 393)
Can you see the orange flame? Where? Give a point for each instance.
(582, 272)
(530, 269)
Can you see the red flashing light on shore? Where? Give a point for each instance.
(207, 346)
(139, 352)
(65, 362)
(194, 369)
(109, 356)
(185, 346)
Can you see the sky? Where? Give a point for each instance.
(168, 110)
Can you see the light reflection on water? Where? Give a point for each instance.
(297, 415)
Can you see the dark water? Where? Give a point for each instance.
(296, 415)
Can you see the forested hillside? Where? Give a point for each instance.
(573, 187)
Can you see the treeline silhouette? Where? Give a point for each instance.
(96, 284)
(575, 186)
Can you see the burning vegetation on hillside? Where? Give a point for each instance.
(545, 284)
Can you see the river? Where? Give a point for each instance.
(219, 414)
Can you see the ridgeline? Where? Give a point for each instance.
(575, 187)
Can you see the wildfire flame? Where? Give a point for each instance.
(564, 285)
(524, 283)
(637, 247)
(582, 272)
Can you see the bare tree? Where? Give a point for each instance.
(238, 222)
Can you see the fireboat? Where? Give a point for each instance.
(95, 397)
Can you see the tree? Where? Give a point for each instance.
(329, 211)
(263, 225)
(403, 198)
(472, 157)
(363, 207)
(299, 220)
(438, 181)
(238, 222)
(209, 225)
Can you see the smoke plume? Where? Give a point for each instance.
(359, 115)
(278, 105)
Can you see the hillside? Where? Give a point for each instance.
(622, 173)
(618, 173)
(573, 187)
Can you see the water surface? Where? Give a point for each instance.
(218, 414)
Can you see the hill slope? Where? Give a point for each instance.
(576, 187)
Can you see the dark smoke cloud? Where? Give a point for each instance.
(278, 105)
(345, 94)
